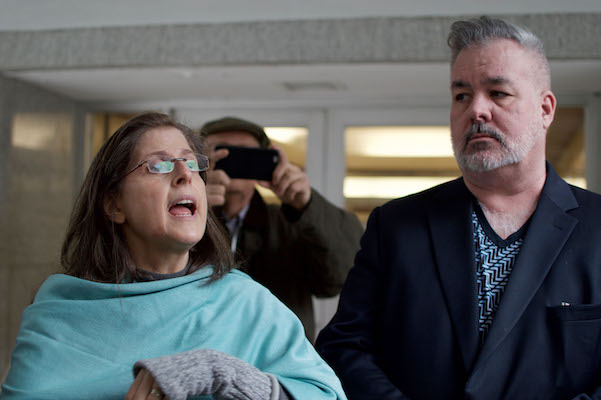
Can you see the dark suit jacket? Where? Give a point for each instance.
(407, 321)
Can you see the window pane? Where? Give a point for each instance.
(386, 162)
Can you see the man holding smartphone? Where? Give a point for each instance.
(303, 247)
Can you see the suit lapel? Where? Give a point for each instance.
(449, 218)
(550, 228)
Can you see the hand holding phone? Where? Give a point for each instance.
(290, 184)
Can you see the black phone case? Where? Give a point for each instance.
(248, 162)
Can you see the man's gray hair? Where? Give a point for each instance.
(484, 30)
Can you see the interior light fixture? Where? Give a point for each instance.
(398, 141)
(388, 187)
(288, 135)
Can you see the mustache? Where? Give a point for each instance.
(479, 129)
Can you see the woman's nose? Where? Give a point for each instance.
(181, 173)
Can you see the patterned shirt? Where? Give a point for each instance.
(495, 258)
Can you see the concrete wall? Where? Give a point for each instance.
(37, 178)
(330, 41)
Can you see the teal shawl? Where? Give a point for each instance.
(80, 339)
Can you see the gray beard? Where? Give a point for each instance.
(480, 159)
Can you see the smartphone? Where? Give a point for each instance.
(248, 162)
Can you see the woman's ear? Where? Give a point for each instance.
(113, 210)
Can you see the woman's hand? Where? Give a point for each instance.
(144, 388)
(205, 372)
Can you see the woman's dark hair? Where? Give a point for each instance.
(94, 247)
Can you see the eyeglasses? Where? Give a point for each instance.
(160, 165)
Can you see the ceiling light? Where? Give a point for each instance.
(388, 187)
(398, 141)
(288, 135)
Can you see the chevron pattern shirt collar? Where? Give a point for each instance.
(494, 258)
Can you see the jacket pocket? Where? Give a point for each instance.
(577, 312)
(578, 336)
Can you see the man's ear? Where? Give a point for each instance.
(113, 210)
(548, 106)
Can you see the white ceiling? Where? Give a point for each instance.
(419, 84)
(267, 83)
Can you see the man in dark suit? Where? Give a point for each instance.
(487, 287)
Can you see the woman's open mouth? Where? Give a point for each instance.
(183, 208)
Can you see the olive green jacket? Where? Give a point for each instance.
(298, 254)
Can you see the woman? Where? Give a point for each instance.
(149, 282)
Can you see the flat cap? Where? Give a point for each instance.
(233, 124)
